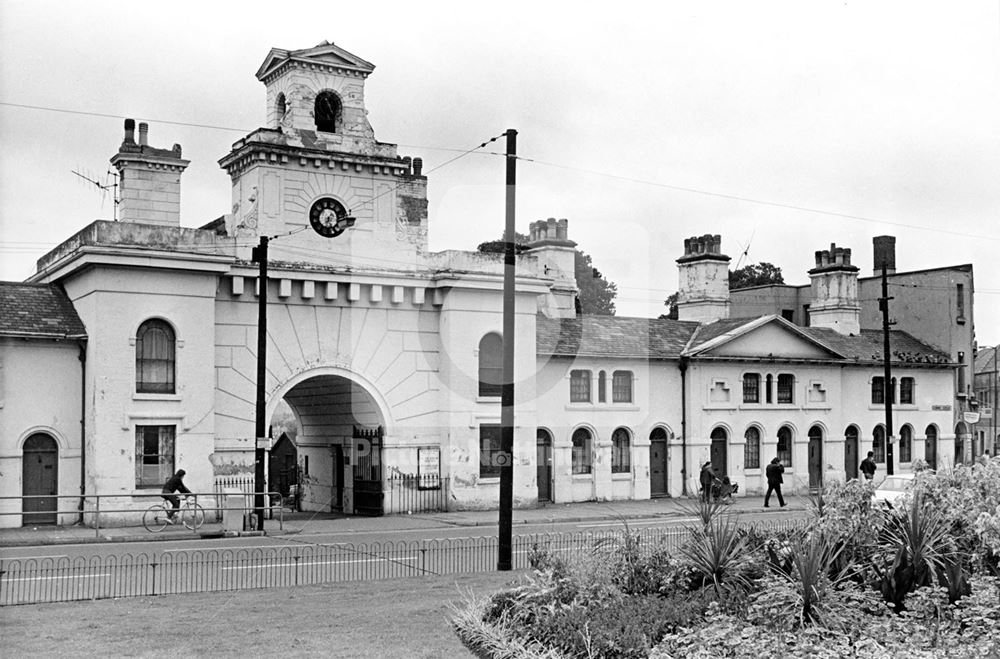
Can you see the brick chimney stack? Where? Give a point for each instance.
(703, 273)
(835, 292)
(149, 179)
(549, 242)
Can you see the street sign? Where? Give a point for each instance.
(264, 443)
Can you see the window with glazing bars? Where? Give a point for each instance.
(751, 387)
(786, 387)
(621, 454)
(621, 387)
(154, 358)
(579, 386)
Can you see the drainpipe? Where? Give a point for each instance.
(683, 366)
(83, 426)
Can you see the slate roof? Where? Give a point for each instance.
(660, 338)
(984, 360)
(613, 336)
(38, 311)
(867, 346)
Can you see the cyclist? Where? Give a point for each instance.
(174, 484)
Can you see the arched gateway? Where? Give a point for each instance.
(342, 426)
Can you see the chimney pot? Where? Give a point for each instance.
(143, 133)
(418, 166)
(130, 131)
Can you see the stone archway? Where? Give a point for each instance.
(339, 443)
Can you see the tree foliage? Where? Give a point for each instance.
(755, 274)
(597, 294)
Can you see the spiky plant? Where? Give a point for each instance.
(718, 555)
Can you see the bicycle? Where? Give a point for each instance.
(156, 518)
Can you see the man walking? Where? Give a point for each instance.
(774, 480)
(868, 466)
(706, 477)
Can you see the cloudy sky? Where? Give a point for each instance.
(782, 126)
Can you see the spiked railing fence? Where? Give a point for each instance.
(61, 579)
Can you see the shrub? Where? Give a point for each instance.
(719, 559)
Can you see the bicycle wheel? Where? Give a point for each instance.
(155, 518)
(193, 516)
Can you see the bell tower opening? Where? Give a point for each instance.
(328, 111)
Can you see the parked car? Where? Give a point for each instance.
(892, 488)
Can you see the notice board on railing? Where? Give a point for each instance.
(429, 468)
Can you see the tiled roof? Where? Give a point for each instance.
(986, 360)
(613, 336)
(38, 311)
(867, 346)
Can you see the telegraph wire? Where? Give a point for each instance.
(620, 177)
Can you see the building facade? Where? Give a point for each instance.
(389, 354)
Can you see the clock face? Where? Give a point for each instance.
(323, 216)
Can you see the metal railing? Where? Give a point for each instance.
(103, 516)
(63, 578)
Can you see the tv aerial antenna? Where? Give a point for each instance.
(111, 183)
(746, 252)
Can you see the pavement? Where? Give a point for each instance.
(289, 522)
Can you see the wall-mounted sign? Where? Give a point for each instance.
(970, 417)
(941, 408)
(429, 468)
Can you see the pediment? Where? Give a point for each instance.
(326, 54)
(766, 338)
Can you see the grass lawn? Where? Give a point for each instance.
(405, 618)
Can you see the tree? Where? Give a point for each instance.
(597, 294)
(754, 274)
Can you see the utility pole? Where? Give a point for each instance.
(505, 543)
(883, 303)
(260, 257)
(993, 412)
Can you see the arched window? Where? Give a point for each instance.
(602, 387)
(878, 443)
(154, 358)
(327, 112)
(751, 450)
(621, 454)
(906, 444)
(581, 451)
(281, 106)
(490, 365)
(930, 445)
(784, 447)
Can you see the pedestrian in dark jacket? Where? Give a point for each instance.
(868, 466)
(174, 484)
(774, 480)
(707, 477)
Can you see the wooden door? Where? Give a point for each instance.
(851, 453)
(657, 467)
(544, 466)
(719, 456)
(930, 450)
(40, 477)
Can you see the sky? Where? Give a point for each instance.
(782, 126)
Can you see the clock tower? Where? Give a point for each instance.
(316, 161)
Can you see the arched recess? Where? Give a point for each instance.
(931, 446)
(906, 443)
(342, 422)
(543, 461)
(815, 456)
